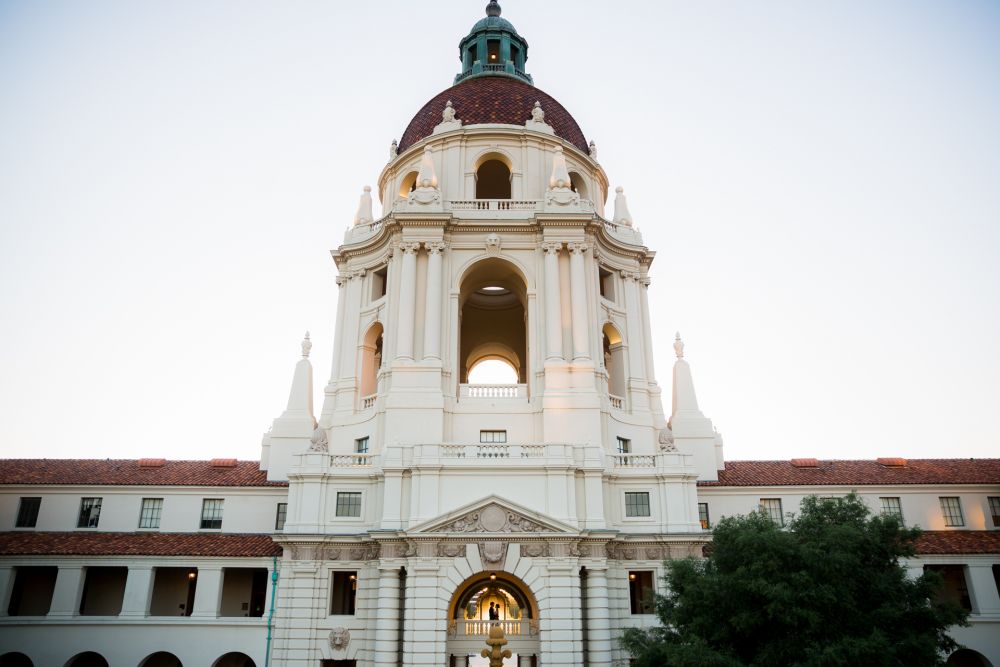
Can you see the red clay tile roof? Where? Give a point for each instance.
(959, 542)
(137, 544)
(131, 472)
(493, 99)
(859, 473)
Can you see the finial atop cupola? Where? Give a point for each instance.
(493, 48)
(493, 9)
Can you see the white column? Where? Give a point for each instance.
(138, 587)
(387, 618)
(636, 365)
(6, 574)
(338, 332)
(598, 617)
(647, 330)
(553, 311)
(407, 301)
(349, 331)
(66, 596)
(432, 312)
(207, 592)
(578, 301)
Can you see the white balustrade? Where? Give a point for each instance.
(351, 460)
(532, 451)
(493, 391)
(481, 628)
(368, 402)
(493, 452)
(453, 451)
(494, 205)
(634, 460)
(617, 402)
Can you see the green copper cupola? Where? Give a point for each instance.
(493, 48)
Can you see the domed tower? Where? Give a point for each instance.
(494, 248)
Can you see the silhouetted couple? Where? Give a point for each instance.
(494, 612)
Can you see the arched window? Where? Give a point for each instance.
(408, 185)
(371, 360)
(492, 370)
(614, 363)
(578, 185)
(493, 180)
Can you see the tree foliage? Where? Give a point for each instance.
(828, 590)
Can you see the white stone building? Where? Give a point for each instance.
(380, 529)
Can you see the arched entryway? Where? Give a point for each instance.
(235, 659)
(966, 657)
(88, 659)
(15, 660)
(161, 659)
(470, 617)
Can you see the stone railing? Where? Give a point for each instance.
(478, 628)
(633, 460)
(617, 402)
(351, 460)
(494, 205)
(493, 391)
(368, 402)
(489, 451)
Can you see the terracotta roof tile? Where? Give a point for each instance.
(858, 473)
(959, 542)
(493, 99)
(136, 544)
(131, 472)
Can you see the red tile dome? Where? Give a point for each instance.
(493, 99)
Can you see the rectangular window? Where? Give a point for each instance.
(641, 592)
(607, 284)
(493, 437)
(954, 588)
(703, 516)
(211, 513)
(149, 515)
(624, 446)
(345, 588)
(279, 517)
(951, 508)
(27, 512)
(90, 513)
(378, 283)
(348, 503)
(772, 507)
(361, 446)
(995, 510)
(892, 507)
(636, 503)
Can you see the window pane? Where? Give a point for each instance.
(279, 520)
(995, 510)
(772, 507)
(640, 589)
(361, 446)
(211, 513)
(892, 507)
(348, 503)
(703, 515)
(951, 508)
(624, 445)
(345, 586)
(149, 515)
(27, 512)
(90, 512)
(493, 437)
(637, 503)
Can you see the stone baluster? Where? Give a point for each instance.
(432, 312)
(553, 308)
(578, 302)
(407, 301)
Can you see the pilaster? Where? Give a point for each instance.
(207, 593)
(138, 589)
(66, 595)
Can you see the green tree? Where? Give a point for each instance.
(828, 590)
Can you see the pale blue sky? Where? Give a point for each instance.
(819, 179)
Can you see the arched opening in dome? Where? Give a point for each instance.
(493, 306)
(493, 180)
(371, 361)
(578, 185)
(614, 362)
(408, 184)
(493, 51)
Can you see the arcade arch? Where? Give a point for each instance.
(493, 316)
(161, 659)
(234, 659)
(87, 659)
(15, 660)
(469, 617)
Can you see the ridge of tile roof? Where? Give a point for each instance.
(132, 472)
(231, 545)
(858, 473)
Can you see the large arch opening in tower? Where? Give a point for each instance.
(614, 363)
(371, 361)
(493, 307)
(493, 179)
(487, 599)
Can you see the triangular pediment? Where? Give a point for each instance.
(493, 515)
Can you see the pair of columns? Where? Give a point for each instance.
(578, 301)
(408, 298)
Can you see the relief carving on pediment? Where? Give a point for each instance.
(492, 519)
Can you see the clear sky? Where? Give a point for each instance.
(820, 180)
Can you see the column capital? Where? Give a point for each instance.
(435, 247)
(357, 274)
(410, 247)
(578, 248)
(552, 247)
(645, 281)
(342, 280)
(629, 276)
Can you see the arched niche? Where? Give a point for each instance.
(614, 359)
(579, 185)
(492, 313)
(494, 174)
(408, 184)
(371, 360)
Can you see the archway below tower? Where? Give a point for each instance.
(485, 600)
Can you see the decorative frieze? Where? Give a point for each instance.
(363, 551)
(492, 519)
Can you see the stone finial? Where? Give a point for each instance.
(307, 346)
(679, 346)
(319, 441)
(496, 641)
(448, 115)
(622, 215)
(493, 9)
(393, 149)
(364, 213)
(426, 177)
(593, 149)
(560, 173)
(537, 113)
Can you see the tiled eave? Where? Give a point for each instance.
(24, 543)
